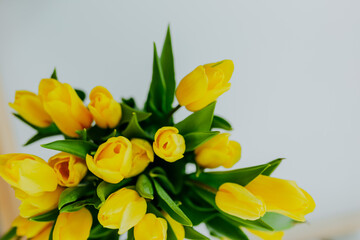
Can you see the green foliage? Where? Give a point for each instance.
(219, 122)
(46, 217)
(10, 234)
(128, 112)
(134, 130)
(104, 189)
(222, 228)
(72, 194)
(79, 148)
(144, 187)
(273, 165)
(278, 222)
(195, 139)
(191, 233)
(54, 75)
(81, 94)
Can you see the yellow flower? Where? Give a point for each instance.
(267, 235)
(69, 168)
(177, 227)
(218, 151)
(122, 210)
(104, 109)
(64, 106)
(236, 200)
(27, 228)
(44, 234)
(30, 107)
(142, 155)
(112, 161)
(169, 144)
(73, 225)
(150, 227)
(204, 85)
(282, 196)
(41, 203)
(27, 172)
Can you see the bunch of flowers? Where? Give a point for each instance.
(130, 173)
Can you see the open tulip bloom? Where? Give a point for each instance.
(122, 169)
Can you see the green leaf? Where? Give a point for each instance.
(273, 165)
(195, 139)
(240, 176)
(130, 102)
(219, 122)
(134, 130)
(131, 234)
(79, 148)
(144, 187)
(112, 134)
(127, 114)
(76, 206)
(99, 232)
(196, 217)
(46, 217)
(224, 229)
(10, 234)
(54, 75)
(199, 121)
(104, 189)
(82, 134)
(278, 222)
(156, 100)
(161, 175)
(191, 233)
(167, 63)
(170, 206)
(72, 194)
(81, 94)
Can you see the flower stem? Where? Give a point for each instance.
(171, 113)
(201, 185)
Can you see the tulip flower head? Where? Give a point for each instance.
(151, 227)
(142, 155)
(29, 229)
(169, 144)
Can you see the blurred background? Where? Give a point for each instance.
(295, 90)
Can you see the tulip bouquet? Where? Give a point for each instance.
(136, 173)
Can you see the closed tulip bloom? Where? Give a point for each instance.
(142, 155)
(268, 235)
(282, 196)
(64, 106)
(28, 173)
(27, 228)
(30, 107)
(73, 225)
(41, 203)
(44, 234)
(112, 161)
(69, 169)
(122, 210)
(150, 227)
(218, 151)
(169, 144)
(204, 85)
(104, 109)
(177, 227)
(236, 200)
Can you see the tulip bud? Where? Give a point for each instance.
(142, 155)
(27, 228)
(122, 210)
(64, 106)
(30, 107)
(28, 173)
(204, 85)
(104, 109)
(112, 161)
(282, 196)
(236, 200)
(32, 205)
(44, 234)
(69, 169)
(218, 151)
(169, 144)
(177, 227)
(268, 235)
(150, 227)
(73, 225)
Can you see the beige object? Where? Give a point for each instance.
(8, 203)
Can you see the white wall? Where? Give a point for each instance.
(295, 91)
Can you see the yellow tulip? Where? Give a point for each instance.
(122, 210)
(112, 161)
(41, 203)
(28, 173)
(142, 155)
(177, 227)
(44, 234)
(169, 144)
(204, 85)
(150, 227)
(282, 196)
(218, 151)
(69, 169)
(274, 235)
(64, 106)
(30, 107)
(104, 109)
(73, 225)
(236, 200)
(27, 228)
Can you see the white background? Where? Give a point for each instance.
(295, 90)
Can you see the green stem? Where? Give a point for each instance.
(171, 113)
(201, 185)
